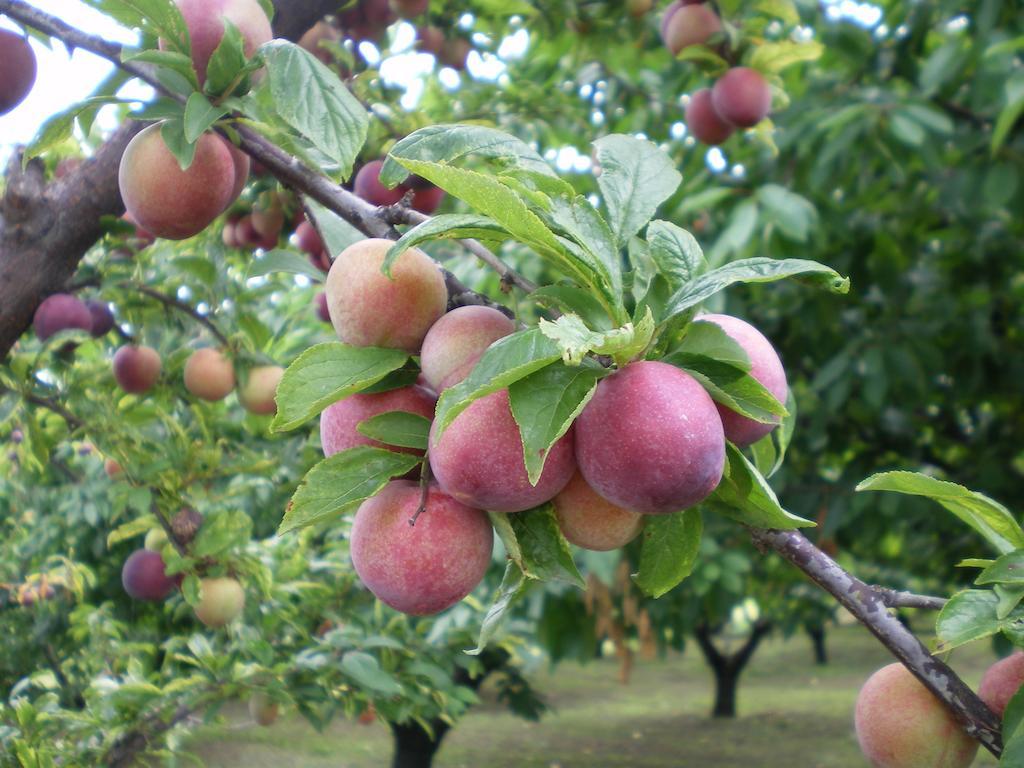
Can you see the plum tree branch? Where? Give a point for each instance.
(869, 606)
(901, 599)
(170, 301)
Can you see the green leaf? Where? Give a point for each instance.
(326, 373)
(279, 260)
(451, 143)
(590, 239)
(794, 215)
(545, 404)
(1008, 117)
(513, 584)
(745, 495)
(173, 134)
(505, 362)
(775, 57)
(161, 17)
(705, 339)
(447, 226)
(131, 529)
(968, 616)
(200, 115)
(400, 428)
(342, 482)
(171, 60)
(770, 451)
(1009, 598)
(671, 544)
(58, 128)
(546, 554)
(575, 340)
(675, 252)
(312, 100)
(1013, 732)
(636, 177)
(570, 299)
(227, 65)
(220, 532)
(755, 270)
(1007, 569)
(338, 234)
(989, 518)
(365, 670)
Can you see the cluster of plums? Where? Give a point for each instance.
(741, 98)
(650, 441)
(18, 65)
(901, 724)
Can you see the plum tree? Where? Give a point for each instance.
(339, 421)
(205, 22)
(454, 343)
(367, 185)
(703, 121)
(259, 388)
(479, 459)
(1001, 681)
(651, 439)
(155, 539)
(167, 201)
(102, 317)
(263, 709)
(424, 568)
(144, 576)
(137, 369)
(18, 65)
(765, 366)
(591, 522)
(61, 312)
(900, 724)
(221, 600)
(209, 374)
(688, 25)
(742, 97)
(368, 309)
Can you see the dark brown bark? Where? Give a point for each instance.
(817, 635)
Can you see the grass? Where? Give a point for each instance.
(792, 714)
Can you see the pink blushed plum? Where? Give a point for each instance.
(339, 422)
(455, 343)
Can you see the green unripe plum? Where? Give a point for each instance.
(167, 201)
(454, 343)
(18, 65)
(221, 600)
(339, 422)
(209, 374)
(1001, 681)
(765, 366)
(690, 25)
(900, 724)
(703, 122)
(257, 393)
(651, 440)
(368, 309)
(263, 709)
(61, 312)
(205, 21)
(591, 522)
(137, 369)
(479, 459)
(144, 578)
(367, 185)
(742, 97)
(155, 539)
(419, 569)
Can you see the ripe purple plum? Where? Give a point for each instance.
(703, 122)
(1001, 681)
(900, 724)
(137, 368)
(61, 312)
(689, 25)
(651, 439)
(367, 185)
(765, 366)
(102, 317)
(18, 65)
(419, 569)
(339, 422)
(209, 374)
(455, 342)
(591, 522)
(368, 309)
(455, 52)
(430, 40)
(167, 201)
(205, 22)
(742, 97)
(479, 459)
(144, 577)
(410, 9)
(427, 200)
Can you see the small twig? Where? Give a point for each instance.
(72, 421)
(170, 301)
(424, 491)
(901, 599)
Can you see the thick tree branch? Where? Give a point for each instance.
(870, 608)
(900, 599)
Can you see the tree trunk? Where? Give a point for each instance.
(817, 635)
(727, 669)
(413, 746)
(727, 679)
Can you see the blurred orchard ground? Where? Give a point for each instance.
(879, 139)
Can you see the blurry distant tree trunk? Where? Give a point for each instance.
(728, 667)
(817, 634)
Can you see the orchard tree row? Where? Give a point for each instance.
(578, 388)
